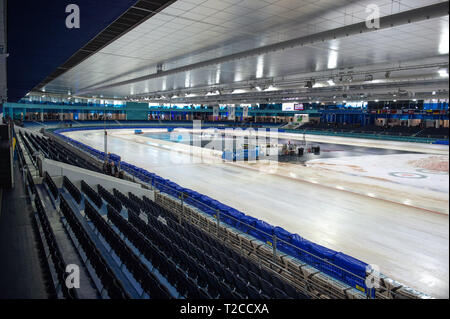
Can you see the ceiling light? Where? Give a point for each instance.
(434, 93)
(376, 100)
(443, 44)
(238, 91)
(331, 82)
(443, 73)
(332, 60)
(395, 100)
(258, 88)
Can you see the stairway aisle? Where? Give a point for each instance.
(21, 276)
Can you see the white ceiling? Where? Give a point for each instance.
(191, 31)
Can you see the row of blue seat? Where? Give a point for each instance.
(113, 287)
(92, 194)
(56, 256)
(156, 256)
(55, 152)
(148, 282)
(110, 199)
(73, 190)
(216, 256)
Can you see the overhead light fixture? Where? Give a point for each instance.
(443, 73)
(376, 100)
(332, 60)
(395, 101)
(212, 93)
(190, 95)
(258, 88)
(331, 82)
(443, 44)
(433, 93)
(238, 91)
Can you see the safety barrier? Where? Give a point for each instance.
(335, 264)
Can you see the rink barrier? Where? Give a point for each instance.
(338, 265)
(441, 142)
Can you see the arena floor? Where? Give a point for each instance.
(387, 207)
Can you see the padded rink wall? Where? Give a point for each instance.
(337, 265)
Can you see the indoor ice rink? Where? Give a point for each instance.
(404, 203)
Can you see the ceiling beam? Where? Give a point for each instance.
(394, 20)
